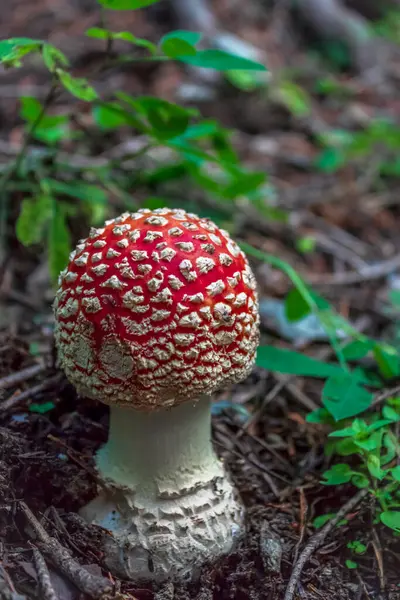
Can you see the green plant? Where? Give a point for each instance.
(380, 138)
(389, 26)
(357, 547)
(57, 189)
(374, 445)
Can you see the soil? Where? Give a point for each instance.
(48, 435)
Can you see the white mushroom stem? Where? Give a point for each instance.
(169, 504)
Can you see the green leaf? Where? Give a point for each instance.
(222, 146)
(288, 361)
(50, 128)
(243, 184)
(357, 349)
(177, 48)
(330, 160)
(221, 61)
(190, 37)
(374, 467)
(306, 244)
(357, 547)
(34, 348)
(126, 4)
(53, 57)
(371, 443)
(166, 119)
(294, 98)
(391, 518)
(244, 80)
(378, 424)
(59, 242)
(337, 138)
(394, 297)
(99, 33)
(392, 446)
(320, 521)
(390, 413)
(360, 481)
(109, 115)
(396, 473)
(126, 36)
(52, 135)
(30, 108)
(197, 131)
(296, 306)
(131, 119)
(190, 152)
(13, 49)
(350, 564)
(346, 447)
(319, 415)
(344, 397)
(77, 86)
(164, 174)
(388, 360)
(41, 408)
(78, 190)
(34, 214)
(180, 43)
(338, 474)
(342, 433)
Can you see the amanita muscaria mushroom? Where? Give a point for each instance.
(155, 312)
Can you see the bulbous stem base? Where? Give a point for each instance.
(167, 504)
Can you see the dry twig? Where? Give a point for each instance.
(46, 587)
(7, 588)
(16, 399)
(92, 585)
(332, 19)
(315, 542)
(382, 396)
(377, 546)
(377, 271)
(21, 376)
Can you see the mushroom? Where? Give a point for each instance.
(156, 311)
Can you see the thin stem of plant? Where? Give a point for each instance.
(14, 168)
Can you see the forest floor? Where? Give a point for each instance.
(275, 457)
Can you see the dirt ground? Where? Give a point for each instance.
(49, 435)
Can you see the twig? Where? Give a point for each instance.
(16, 399)
(303, 514)
(7, 579)
(91, 585)
(317, 540)
(72, 455)
(382, 396)
(295, 392)
(263, 469)
(331, 19)
(21, 298)
(363, 586)
(376, 543)
(21, 376)
(377, 271)
(45, 585)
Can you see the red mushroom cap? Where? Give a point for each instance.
(156, 308)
